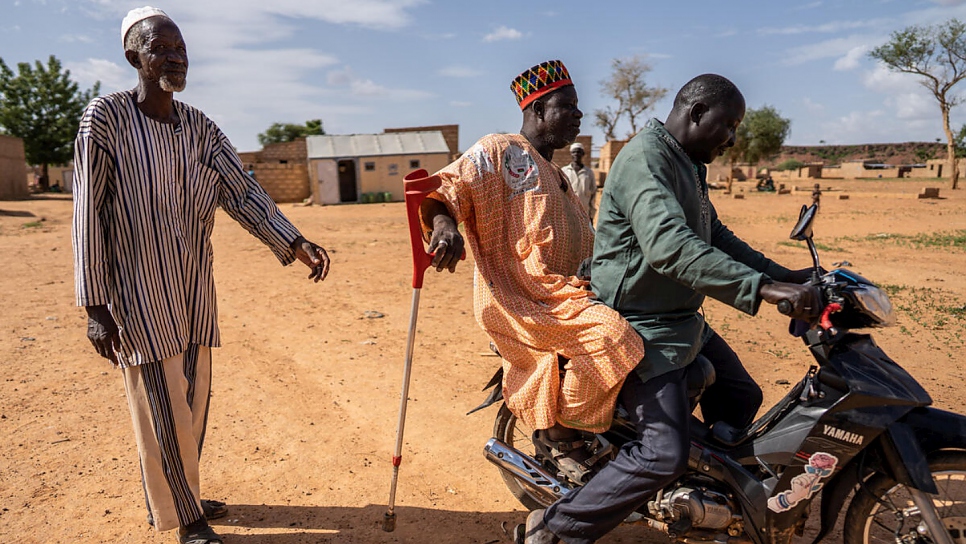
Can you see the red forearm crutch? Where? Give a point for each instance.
(417, 185)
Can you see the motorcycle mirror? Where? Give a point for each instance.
(803, 229)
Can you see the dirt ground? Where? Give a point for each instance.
(306, 387)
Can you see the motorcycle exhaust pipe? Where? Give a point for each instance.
(522, 467)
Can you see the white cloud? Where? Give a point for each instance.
(835, 47)
(243, 79)
(460, 104)
(503, 33)
(76, 38)
(851, 59)
(458, 72)
(833, 27)
(882, 79)
(857, 126)
(361, 87)
(812, 106)
(913, 107)
(113, 77)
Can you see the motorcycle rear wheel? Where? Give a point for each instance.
(518, 435)
(869, 521)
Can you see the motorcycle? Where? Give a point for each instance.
(857, 425)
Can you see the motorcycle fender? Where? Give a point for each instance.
(906, 459)
(937, 429)
(833, 497)
(904, 447)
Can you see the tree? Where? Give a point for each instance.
(43, 107)
(759, 136)
(938, 55)
(287, 132)
(627, 86)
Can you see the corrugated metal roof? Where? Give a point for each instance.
(370, 145)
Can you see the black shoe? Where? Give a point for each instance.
(535, 531)
(198, 532)
(211, 508)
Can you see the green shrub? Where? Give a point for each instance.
(790, 164)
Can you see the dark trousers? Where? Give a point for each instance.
(734, 397)
(660, 411)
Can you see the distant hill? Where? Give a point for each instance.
(896, 154)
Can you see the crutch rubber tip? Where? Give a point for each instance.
(389, 522)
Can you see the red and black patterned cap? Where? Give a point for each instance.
(539, 80)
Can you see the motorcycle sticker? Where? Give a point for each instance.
(802, 487)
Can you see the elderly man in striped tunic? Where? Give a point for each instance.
(148, 174)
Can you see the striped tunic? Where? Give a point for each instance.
(145, 195)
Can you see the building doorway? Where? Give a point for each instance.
(347, 181)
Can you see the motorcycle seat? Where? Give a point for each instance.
(728, 435)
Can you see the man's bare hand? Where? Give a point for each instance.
(102, 332)
(313, 256)
(446, 243)
(805, 300)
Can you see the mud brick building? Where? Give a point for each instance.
(282, 169)
(13, 168)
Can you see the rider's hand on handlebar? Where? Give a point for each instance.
(446, 243)
(806, 303)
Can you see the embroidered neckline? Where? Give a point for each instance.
(662, 132)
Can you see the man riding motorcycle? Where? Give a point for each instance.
(660, 249)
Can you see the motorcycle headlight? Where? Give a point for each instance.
(874, 303)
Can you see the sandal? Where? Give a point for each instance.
(212, 509)
(203, 535)
(568, 455)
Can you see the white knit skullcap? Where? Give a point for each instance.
(577, 145)
(137, 15)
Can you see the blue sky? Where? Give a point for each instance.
(364, 65)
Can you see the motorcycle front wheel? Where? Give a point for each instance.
(517, 435)
(883, 511)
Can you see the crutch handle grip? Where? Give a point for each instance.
(417, 185)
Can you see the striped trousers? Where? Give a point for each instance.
(169, 406)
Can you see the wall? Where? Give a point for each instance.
(940, 166)
(608, 152)
(13, 168)
(282, 169)
(451, 134)
(389, 171)
(284, 182)
(386, 175)
(561, 157)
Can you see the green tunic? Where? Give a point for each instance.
(660, 249)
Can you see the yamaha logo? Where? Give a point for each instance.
(844, 436)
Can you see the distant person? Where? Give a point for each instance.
(766, 185)
(251, 171)
(148, 173)
(529, 238)
(582, 179)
